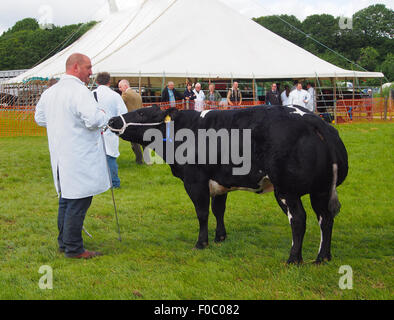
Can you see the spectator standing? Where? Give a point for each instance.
(285, 96)
(170, 94)
(133, 102)
(273, 96)
(299, 97)
(189, 97)
(234, 96)
(212, 97)
(74, 120)
(200, 98)
(114, 106)
(311, 104)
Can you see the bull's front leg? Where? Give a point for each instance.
(199, 194)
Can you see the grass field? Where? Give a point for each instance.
(159, 227)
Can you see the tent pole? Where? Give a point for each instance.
(163, 81)
(139, 84)
(254, 90)
(149, 90)
(335, 100)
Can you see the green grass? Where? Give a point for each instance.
(159, 227)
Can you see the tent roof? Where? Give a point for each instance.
(188, 38)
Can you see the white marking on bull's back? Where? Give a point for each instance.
(204, 113)
(297, 111)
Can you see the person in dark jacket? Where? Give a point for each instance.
(169, 94)
(273, 96)
(189, 97)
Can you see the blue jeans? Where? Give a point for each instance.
(70, 219)
(113, 168)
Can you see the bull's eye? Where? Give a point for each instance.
(141, 114)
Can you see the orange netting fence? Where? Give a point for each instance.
(17, 111)
(367, 109)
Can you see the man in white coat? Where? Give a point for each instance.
(299, 97)
(199, 102)
(74, 120)
(114, 106)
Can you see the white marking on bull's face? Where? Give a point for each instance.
(204, 113)
(297, 111)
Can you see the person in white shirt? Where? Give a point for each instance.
(199, 102)
(114, 106)
(74, 120)
(311, 104)
(285, 96)
(299, 97)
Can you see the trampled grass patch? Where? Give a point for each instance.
(159, 228)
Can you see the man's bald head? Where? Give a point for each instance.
(80, 66)
(123, 85)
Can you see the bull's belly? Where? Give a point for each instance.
(265, 186)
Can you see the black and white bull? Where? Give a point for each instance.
(293, 153)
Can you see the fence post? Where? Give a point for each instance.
(335, 101)
(386, 100)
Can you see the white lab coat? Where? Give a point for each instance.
(311, 104)
(113, 105)
(285, 99)
(297, 97)
(73, 121)
(199, 101)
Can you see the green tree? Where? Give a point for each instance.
(280, 26)
(323, 28)
(25, 44)
(28, 24)
(375, 22)
(369, 58)
(387, 67)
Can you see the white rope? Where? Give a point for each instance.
(126, 125)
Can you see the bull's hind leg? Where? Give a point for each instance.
(218, 209)
(199, 194)
(326, 221)
(293, 208)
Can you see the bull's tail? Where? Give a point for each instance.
(334, 206)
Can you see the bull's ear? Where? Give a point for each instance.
(170, 112)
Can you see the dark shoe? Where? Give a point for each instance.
(87, 255)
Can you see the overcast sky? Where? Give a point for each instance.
(74, 11)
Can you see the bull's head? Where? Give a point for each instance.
(132, 126)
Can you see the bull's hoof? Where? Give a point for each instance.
(220, 238)
(322, 260)
(295, 261)
(201, 245)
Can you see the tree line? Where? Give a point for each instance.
(368, 42)
(27, 43)
(366, 39)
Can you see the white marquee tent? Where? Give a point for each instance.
(189, 38)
